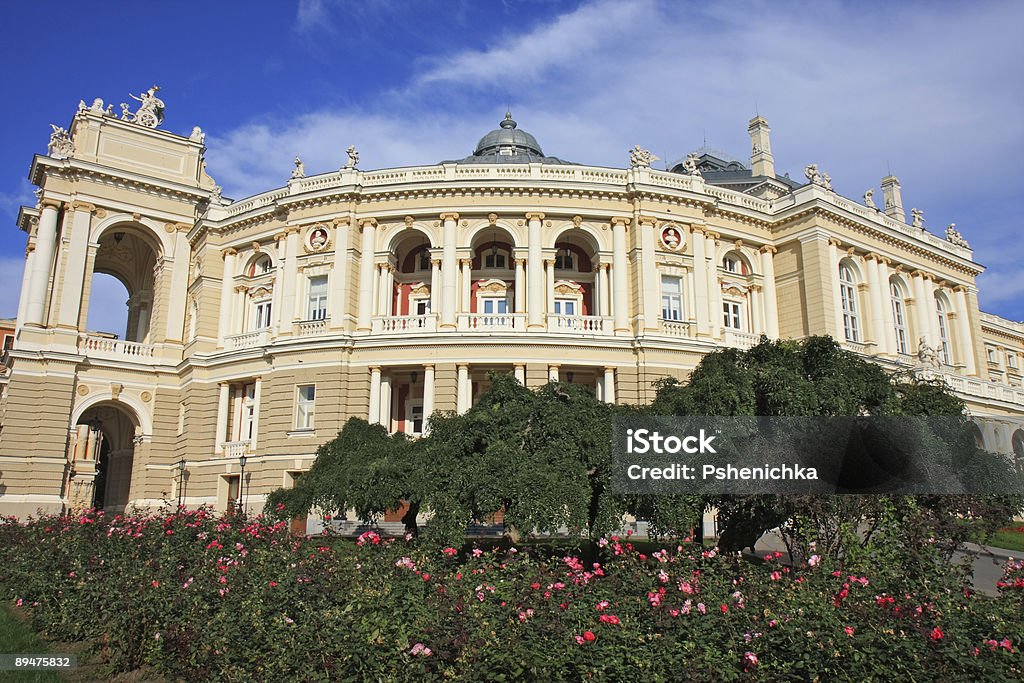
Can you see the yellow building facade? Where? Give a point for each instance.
(257, 327)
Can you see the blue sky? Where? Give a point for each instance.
(928, 90)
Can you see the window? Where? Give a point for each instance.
(261, 320)
(1011, 360)
(565, 260)
(416, 418)
(565, 306)
(232, 481)
(732, 264)
(495, 259)
(494, 305)
(671, 298)
(304, 403)
(848, 295)
(732, 314)
(317, 298)
(899, 317)
(944, 349)
(245, 412)
(8, 342)
(421, 306)
(262, 266)
(993, 357)
(423, 259)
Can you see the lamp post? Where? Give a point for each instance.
(181, 482)
(241, 484)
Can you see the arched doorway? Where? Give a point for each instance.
(130, 254)
(103, 453)
(1018, 449)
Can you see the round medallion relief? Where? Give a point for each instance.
(82, 390)
(146, 396)
(671, 237)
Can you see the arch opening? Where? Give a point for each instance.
(103, 445)
(129, 255)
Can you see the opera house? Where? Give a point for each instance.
(257, 327)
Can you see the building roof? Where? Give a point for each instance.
(508, 144)
(723, 169)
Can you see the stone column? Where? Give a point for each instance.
(373, 415)
(700, 284)
(384, 290)
(520, 291)
(435, 286)
(535, 271)
(227, 289)
(386, 397)
(650, 278)
(771, 310)
(552, 373)
(290, 279)
(609, 385)
(714, 288)
(462, 391)
(449, 264)
(519, 371)
(620, 286)
(756, 310)
(281, 239)
(933, 310)
(366, 271)
(428, 396)
(338, 298)
(26, 276)
(74, 266)
(42, 263)
(602, 277)
(878, 301)
(963, 324)
(223, 403)
(837, 299)
(177, 293)
(467, 283)
(921, 310)
(257, 391)
(549, 284)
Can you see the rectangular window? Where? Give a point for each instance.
(261, 320)
(233, 481)
(317, 298)
(565, 306)
(1011, 360)
(732, 315)
(901, 325)
(416, 418)
(494, 260)
(243, 421)
(564, 260)
(495, 306)
(304, 406)
(671, 298)
(421, 306)
(8, 342)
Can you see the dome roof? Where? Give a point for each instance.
(507, 138)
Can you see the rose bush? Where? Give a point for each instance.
(204, 598)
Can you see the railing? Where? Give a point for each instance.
(246, 340)
(114, 348)
(403, 324)
(676, 328)
(483, 322)
(973, 386)
(234, 449)
(583, 324)
(739, 340)
(856, 347)
(310, 328)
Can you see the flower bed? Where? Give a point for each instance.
(204, 598)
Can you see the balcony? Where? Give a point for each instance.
(579, 324)
(973, 386)
(119, 349)
(234, 449)
(491, 322)
(246, 340)
(311, 328)
(740, 340)
(677, 328)
(403, 324)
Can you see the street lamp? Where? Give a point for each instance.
(181, 481)
(241, 483)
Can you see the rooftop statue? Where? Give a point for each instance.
(690, 164)
(150, 112)
(953, 236)
(61, 146)
(869, 198)
(353, 157)
(917, 219)
(640, 157)
(826, 181)
(812, 174)
(300, 169)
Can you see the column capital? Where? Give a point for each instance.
(49, 204)
(833, 242)
(341, 220)
(279, 236)
(620, 220)
(79, 205)
(873, 256)
(367, 222)
(646, 220)
(519, 261)
(171, 228)
(549, 262)
(768, 249)
(449, 216)
(712, 235)
(554, 366)
(462, 365)
(230, 251)
(374, 367)
(436, 262)
(959, 288)
(292, 230)
(428, 366)
(609, 368)
(534, 216)
(919, 273)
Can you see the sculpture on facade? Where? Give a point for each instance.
(690, 164)
(300, 169)
(215, 194)
(197, 135)
(150, 112)
(640, 157)
(826, 181)
(812, 174)
(869, 198)
(353, 157)
(925, 353)
(917, 218)
(953, 236)
(61, 146)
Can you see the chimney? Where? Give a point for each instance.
(893, 199)
(761, 161)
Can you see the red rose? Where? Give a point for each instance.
(589, 636)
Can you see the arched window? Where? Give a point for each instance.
(733, 264)
(565, 259)
(261, 266)
(848, 295)
(899, 317)
(944, 348)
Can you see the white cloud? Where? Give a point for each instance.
(311, 14)
(11, 270)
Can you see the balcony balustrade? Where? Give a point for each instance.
(104, 347)
(246, 340)
(740, 340)
(403, 324)
(311, 328)
(676, 328)
(579, 324)
(491, 322)
(234, 449)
